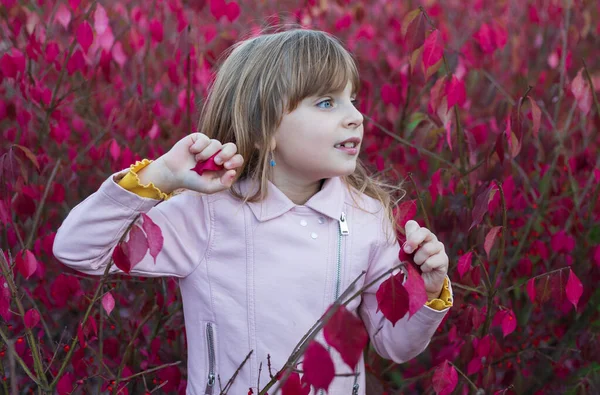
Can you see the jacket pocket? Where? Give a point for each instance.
(210, 337)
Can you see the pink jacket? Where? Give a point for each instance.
(253, 276)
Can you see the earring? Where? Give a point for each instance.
(272, 161)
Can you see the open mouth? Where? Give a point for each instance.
(349, 144)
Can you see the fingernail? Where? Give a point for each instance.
(218, 160)
(408, 249)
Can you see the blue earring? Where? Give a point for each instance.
(272, 161)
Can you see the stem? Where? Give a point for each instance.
(589, 78)
(166, 365)
(425, 216)
(130, 345)
(465, 376)
(230, 382)
(35, 352)
(40, 207)
(11, 350)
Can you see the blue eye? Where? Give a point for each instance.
(325, 101)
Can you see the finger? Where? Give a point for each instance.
(415, 239)
(209, 151)
(227, 151)
(434, 262)
(235, 162)
(426, 250)
(410, 227)
(199, 142)
(228, 178)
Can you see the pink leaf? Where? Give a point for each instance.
(390, 94)
(536, 114)
(137, 245)
(63, 15)
(318, 366)
(154, 236)
(76, 63)
(509, 323)
(293, 386)
(582, 93)
(444, 379)
(392, 298)
(156, 30)
(100, 20)
(405, 211)
(85, 36)
(346, 333)
(80, 336)
(108, 302)
(232, 11)
(207, 165)
(531, 289)
(455, 90)
(26, 263)
(464, 263)
(474, 366)
(432, 50)
(32, 317)
(415, 286)
(574, 288)
(115, 150)
(74, 4)
(490, 238)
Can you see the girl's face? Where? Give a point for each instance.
(308, 138)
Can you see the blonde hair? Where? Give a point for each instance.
(260, 77)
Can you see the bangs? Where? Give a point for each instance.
(318, 64)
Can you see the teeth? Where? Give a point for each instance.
(346, 145)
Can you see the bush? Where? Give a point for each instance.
(489, 110)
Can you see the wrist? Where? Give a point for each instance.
(433, 295)
(157, 174)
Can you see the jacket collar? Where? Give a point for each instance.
(328, 201)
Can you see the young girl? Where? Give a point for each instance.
(264, 246)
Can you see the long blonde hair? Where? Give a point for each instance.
(264, 74)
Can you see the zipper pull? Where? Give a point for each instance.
(210, 385)
(344, 225)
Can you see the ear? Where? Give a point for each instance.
(273, 143)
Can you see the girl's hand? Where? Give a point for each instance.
(430, 256)
(197, 147)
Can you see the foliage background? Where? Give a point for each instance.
(88, 87)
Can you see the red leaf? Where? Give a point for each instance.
(415, 286)
(444, 379)
(108, 302)
(346, 333)
(455, 90)
(432, 52)
(509, 323)
(115, 150)
(481, 204)
(574, 288)
(120, 258)
(65, 384)
(137, 245)
(536, 114)
(32, 317)
(207, 165)
(390, 94)
(80, 336)
(413, 30)
(156, 30)
(153, 235)
(582, 93)
(392, 298)
(318, 366)
(474, 366)
(405, 211)
(464, 263)
(490, 238)
(85, 36)
(26, 263)
(293, 386)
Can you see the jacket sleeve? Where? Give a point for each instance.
(87, 237)
(410, 336)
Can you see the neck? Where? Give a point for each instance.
(297, 191)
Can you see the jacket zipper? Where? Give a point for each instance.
(210, 385)
(344, 231)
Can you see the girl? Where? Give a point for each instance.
(262, 247)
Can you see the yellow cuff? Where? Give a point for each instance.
(445, 299)
(132, 183)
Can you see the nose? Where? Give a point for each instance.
(354, 118)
